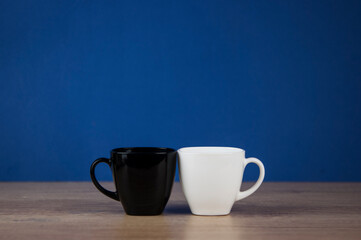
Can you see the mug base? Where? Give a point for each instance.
(143, 213)
(210, 213)
(149, 210)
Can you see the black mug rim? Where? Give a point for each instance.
(142, 150)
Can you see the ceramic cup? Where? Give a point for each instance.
(211, 178)
(143, 178)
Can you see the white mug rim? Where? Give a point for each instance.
(210, 150)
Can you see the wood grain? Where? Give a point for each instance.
(76, 210)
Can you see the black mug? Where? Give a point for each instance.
(143, 178)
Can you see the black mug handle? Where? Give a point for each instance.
(108, 193)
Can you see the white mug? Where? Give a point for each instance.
(211, 178)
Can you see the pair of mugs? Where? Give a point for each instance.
(211, 178)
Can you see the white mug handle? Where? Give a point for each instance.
(248, 192)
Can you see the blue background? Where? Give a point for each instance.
(280, 79)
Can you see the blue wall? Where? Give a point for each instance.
(280, 79)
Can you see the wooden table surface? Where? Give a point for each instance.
(76, 210)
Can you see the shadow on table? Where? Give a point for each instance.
(271, 210)
(177, 209)
(245, 210)
(89, 206)
(81, 206)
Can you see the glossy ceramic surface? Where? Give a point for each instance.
(143, 178)
(211, 178)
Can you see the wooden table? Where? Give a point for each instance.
(76, 210)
